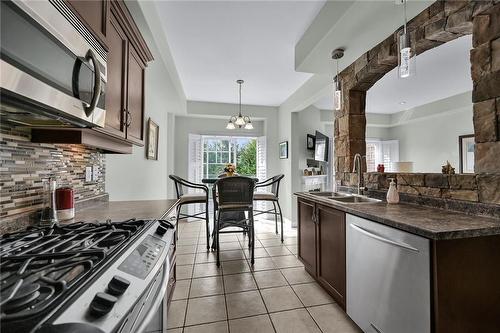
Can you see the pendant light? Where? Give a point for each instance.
(406, 50)
(239, 121)
(337, 94)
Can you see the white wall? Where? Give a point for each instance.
(133, 177)
(428, 135)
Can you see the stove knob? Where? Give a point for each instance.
(117, 285)
(102, 304)
(161, 230)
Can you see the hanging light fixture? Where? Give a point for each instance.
(406, 54)
(239, 121)
(337, 94)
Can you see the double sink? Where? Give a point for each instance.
(345, 197)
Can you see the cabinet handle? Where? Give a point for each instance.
(382, 238)
(129, 118)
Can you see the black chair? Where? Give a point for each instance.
(271, 196)
(191, 198)
(233, 197)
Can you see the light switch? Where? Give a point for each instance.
(88, 174)
(95, 173)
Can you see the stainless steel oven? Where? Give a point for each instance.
(53, 69)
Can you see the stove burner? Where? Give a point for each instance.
(42, 268)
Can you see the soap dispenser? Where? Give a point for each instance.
(392, 194)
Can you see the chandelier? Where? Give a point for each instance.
(239, 120)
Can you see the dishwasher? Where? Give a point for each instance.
(388, 278)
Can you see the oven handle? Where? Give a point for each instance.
(97, 83)
(158, 297)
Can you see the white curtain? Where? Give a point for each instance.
(261, 167)
(195, 166)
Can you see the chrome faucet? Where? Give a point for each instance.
(358, 168)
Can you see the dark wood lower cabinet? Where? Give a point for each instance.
(322, 246)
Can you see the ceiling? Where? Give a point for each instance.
(442, 72)
(214, 43)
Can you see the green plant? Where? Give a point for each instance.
(247, 159)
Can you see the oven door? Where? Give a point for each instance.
(50, 73)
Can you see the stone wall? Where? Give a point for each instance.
(441, 22)
(24, 165)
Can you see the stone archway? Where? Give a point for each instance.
(441, 22)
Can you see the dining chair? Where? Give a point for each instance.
(233, 197)
(191, 198)
(272, 195)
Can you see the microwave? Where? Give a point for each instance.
(53, 71)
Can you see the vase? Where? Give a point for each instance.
(229, 174)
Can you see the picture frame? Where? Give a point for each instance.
(152, 140)
(466, 153)
(311, 141)
(283, 150)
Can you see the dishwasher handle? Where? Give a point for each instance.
(373, 235)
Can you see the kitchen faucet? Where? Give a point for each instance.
(358, 168)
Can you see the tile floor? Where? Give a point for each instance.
(275, 295)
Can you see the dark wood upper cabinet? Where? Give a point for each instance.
(117, 79)
(94, 14)
(307, 235)
(135, 98)
(331, 271)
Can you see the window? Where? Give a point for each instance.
(381, 152)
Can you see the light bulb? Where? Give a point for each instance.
(239, 121)
(230, 125)
(337, 99)
(249, 125)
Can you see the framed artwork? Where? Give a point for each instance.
(152, 140)
(284, 150)
(466, 153)
(311, 140)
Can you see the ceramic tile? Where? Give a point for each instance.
(206, 287)
(312, 294)
(268, 279)
(205, 270)
(205, 310)
(218, 327)
(184, 272)
(287, 261)
(262, 264)
(296, 275)
(204, 257)
(280, 299)
(257, 324)
(234, 267)
(295, 321)
(231, 255)
(186, 249)
(176, 313)
(271, 242)
(278, 251)
(332, 319)
(239, 282)
(185, 259)
(181, 290)
(230, 246)
(244, 304)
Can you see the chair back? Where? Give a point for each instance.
(275, 184)
(235, 190)
(178, 185)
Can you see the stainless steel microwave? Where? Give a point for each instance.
(53, 71)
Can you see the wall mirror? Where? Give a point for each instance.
(419, 123)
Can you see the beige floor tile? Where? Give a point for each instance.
(271, 242)
(258, 253)
(204, 257)
(184, 272)
(239, 282)
(231, 255)
(181, 290)
(205, 270)
(208, 286)
(187, 241)
(224, 238)
(290, 241)
(268, 279)
(206, 310)
(296, 275)
(248, 303)
(244, 243)
(218, 327)
(186, 249)
(174, 330)
(312, 294)
(280, 299)
(230, 246)
(188, 234)
(287, 261)
(262, 264)
(267, 235)
(234, 267)
(176, 313)
(332, 319)
(185, 259)
(257, 324)
(277, 251)
(293, 249)
(295, 321)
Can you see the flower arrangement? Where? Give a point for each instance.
(230, 169)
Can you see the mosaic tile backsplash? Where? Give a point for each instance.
(24, 166)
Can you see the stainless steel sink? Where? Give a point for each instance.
(356, 199)
(331, 195)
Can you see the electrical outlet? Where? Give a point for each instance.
(88, 174)
(95, 173)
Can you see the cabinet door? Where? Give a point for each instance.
(94, 15)
(135, 97)
(331, 252)
(116, 79)
(307, 235)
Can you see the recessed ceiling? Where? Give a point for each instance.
(214, 43)
(442, 72)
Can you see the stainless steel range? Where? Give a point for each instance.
(87, 277)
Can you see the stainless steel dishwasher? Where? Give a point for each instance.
(388, 278)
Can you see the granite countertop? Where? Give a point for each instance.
(122, 210)
(428, 222)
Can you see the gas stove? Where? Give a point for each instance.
(84, 277)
